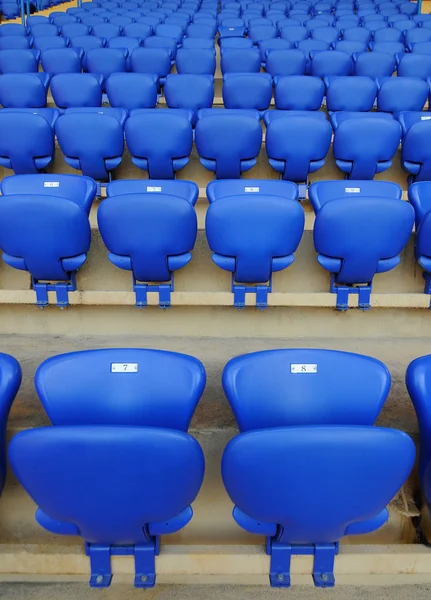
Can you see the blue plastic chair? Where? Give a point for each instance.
(86, 42)
(374, 64)
(286, 62)
(13, 29)
(132, 90)
(234, 187)
(247, 90)
(61, 60)
(134, 500)
(330, 63)
(19, 61)
(105, 62)
(196, 61)
(189, 91)
(137, 30)
(10, 381)
(105, 31)
(298, 92)
(151, 60)
(419, 196)
(396, 94)
(350, 93)
(414, 65)
(24, 90)
(253, 235)
(188, 190)
(71, 90)
(415, 153)
(160, 140)
(321, 192)
(240, 60)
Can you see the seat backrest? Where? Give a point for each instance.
(321, 192)
(298, 92)
(227, 140)
(132, 90)
(303, 387)
(157, 138)
(106, 30)
(416, 150)
(286, 62)
(338, 233)
(415, 65)
(22, 90)
(105, 61)
(233, 42)
(61, 60)
(415, 36)
(200, 31)
(368, 465)
(170, 226)
(351, 93)
(96, 379)
(402, 93)
(390, 34)
(247, 90)
(151, 60)
(196, 43)
(197, 61)
(295, 33)
(86, 42)
(188, 190)
(374, 64)
(262, 32)
(15, 42)
(93, 140)
(388, 48)
(189, 91)
(54, 229)
(137, 30)
(76, 89)
(27, 141)
(144, 476)
(422, 48)
(10, 381)
(357, 34)
(75, 29)
(254, 234)
(240, 60)
(18, 61)
(47, 42)
(331, 62)
(44, 29)
(326, 34)
(12, 29)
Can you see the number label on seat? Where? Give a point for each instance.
(251, 189)
(303, 368)
(124, 367)
(352, 190)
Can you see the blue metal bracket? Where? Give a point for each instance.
(101, 185)
(302, 191)
(164, 290)
(281, 554)
(343, 292)
(145, 562)
(62, 289)
(261, 291)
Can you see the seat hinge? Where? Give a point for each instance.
(344, 291)
(261, 291)
(164, 290)
(281, 554)
(61, 288)
(145, 562)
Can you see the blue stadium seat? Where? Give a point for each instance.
(124, 43)
(86, 42)
(294, 34)
(120, 20)
(151, 235)
(92, 141)
(137, 30)
(105, 61)
(24, 90)
(71, 90)
(421, 48)
(189, 91)
(197, 61)
(77, 188)
(154, 41)
(268, 46)
(51, 243)
(298, 92)
(309, 46)
(414, 65)
(160, 140)
(388, 48)
(350, 93)
(44, 29)
(75, 29)
(133, 500)
(247, 90)
(170, 31)
(374, 64)
(196, 43)
(188, 190)
(240, 60)
(364, 143)
(357, 34)
(106, 31)
(37, 20)
(13, 29)
(396, 94)
(228, 141)
(234, 42)
(10, 381)
(416, 151)
(286, 62)
(19, 61)
(330, 35)
(252, 236)
(132, 90)
(415, 36)
(419, 196)
(14, 42)
(273, 115)
(390, 34)
(47, 42)
(151, 60)
(232, 30)
(289, 516)
(200, 31)
(61, 60)
(350, 47)
(338, 238)
(321, 192)
(258, 33)
(330, 63)
(91, 20)
(297, 145)
(234, 187)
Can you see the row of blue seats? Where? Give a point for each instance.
(228, 141)
(253, 229)
(120, 420)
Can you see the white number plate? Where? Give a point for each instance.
(124, 367)
(49, 184)
(303, 368)
(352, 190)
(154, 189)
(251, 189)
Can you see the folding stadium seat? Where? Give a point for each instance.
(298, 92)
(357, 34)
(350, 47)
(24, 90)
(408, 8)
(48, 29)
(421, 48)
(120, 20)
(187, 190)
(10, 10)
(14, 42)
(374, 64)
(176, 19)
(240, 60)
(61, 60)
(418, 35)
(189, 91)
(247, 90)
(151, 235)
(229, 31)
(72, 90)
(330, 35)
(124, 43)
(10, 378)
(200, 31)
(321, 192)
(390, 34)
(364, 143)
(288, 515)
(13, 29)
(150, 21)
(196, 43)
(310, 45)
(48, 42)
(170, 31)
(151, 60)
(294, 34)
(160, 140)
(258, 33)
(388, 48)
(228, 141)
(267, 46)
(286, 22)
(132, 90)
(106, 31)
(338, 238)
(286, 62)
(355, 94)
(86, 42)
(91, 21)
(297, 144)
(72, 30)
(37, 20)
(401, 94)
(234, 187)
(240, 43)
(169, 44)
(414, 65)
(61, 20)
(253, 235)
(137, 30)
(93, 141)
(330, 63)
(77, 188)
(105, 61)
(134, 499)
(415, 153)
(19, 61)
(196, 62)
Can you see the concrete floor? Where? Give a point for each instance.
(80, 591)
